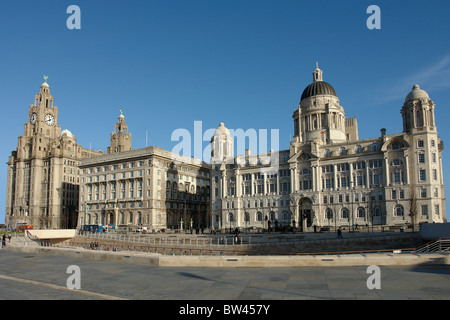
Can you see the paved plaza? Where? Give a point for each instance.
(44, 276)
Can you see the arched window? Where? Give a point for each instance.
(377, 212)
(342, 151)
(259, 217)
(230, 217)
(398, 211)
(344, 213)
(358, 149)
(361, 213)
(272, 216)
(328, 214)
(374, 147)
(286, 216)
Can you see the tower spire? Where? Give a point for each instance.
(317, 74)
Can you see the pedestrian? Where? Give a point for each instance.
(339, 232)
(114, 247)
(4, 241)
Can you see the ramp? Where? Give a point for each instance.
(52, 235)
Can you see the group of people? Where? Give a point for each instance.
(94, 246)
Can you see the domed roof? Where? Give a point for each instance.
(318, 88)
(416, 94)
(66, 133)
(222, 130)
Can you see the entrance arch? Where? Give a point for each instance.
(305, 213)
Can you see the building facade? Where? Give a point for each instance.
(329, 177)
(43, 176)
(144, 188)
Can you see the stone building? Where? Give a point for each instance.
(329, 177)
(144, 188)
(43, 176)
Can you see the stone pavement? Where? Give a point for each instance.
(44, 276)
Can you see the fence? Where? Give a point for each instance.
(171, 240)
(438, 245)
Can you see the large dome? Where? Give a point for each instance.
(318, 88)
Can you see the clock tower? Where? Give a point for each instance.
(43, 119)
(43, 177)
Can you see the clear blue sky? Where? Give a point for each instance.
(169, 63)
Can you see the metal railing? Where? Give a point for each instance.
(172, 240)
(438, 245)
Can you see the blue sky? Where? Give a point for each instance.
(168, 63)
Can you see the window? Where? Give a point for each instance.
(421, 157)
(361, 213)
(377, 212)
(425, 210)
(436, 209)
(344, 213)
(374, 147)
(422, 175)
(259, 217)
(328, 214)
(398, 211)
(420, 143)
(272, 216)
(423, 192)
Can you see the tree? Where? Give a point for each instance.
(413, 206)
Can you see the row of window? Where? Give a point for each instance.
(258, 203)
(344, 213)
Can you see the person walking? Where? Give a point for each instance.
(339, 233)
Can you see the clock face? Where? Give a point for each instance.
(33, 118)
(49, 120)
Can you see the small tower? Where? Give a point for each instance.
(222, 145)
(418, 112)
(120, 138)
